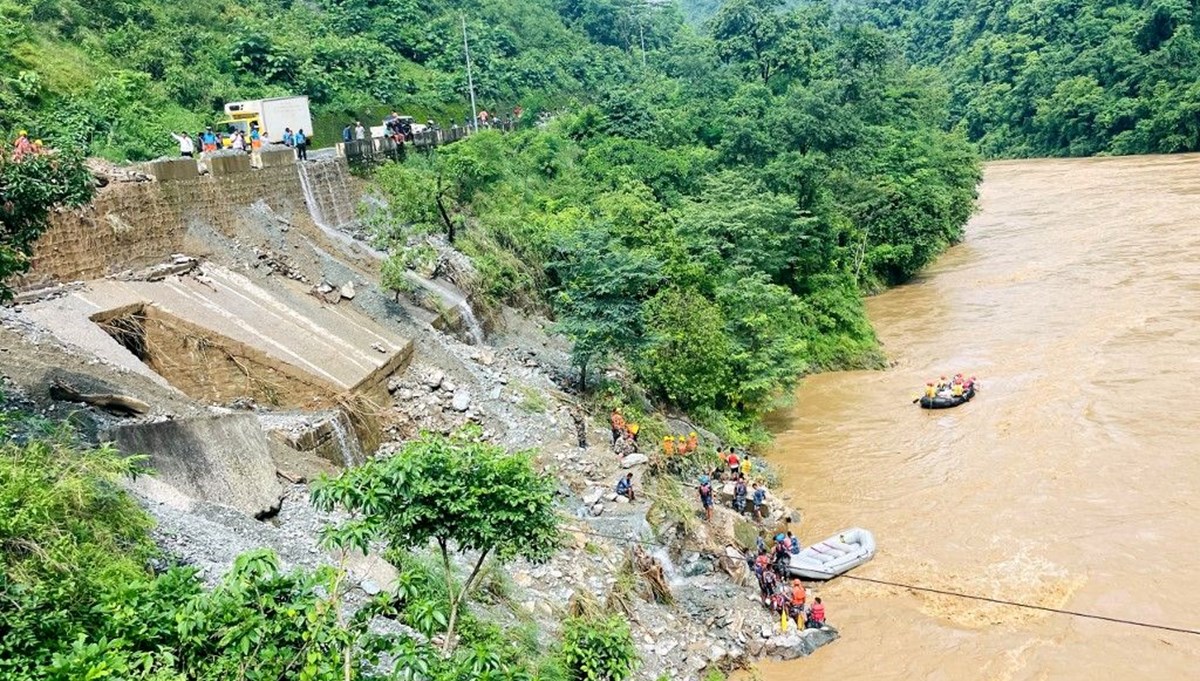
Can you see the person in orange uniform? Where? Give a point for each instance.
(693, 441)
(816, 615)
(617, 421)
(668, 445)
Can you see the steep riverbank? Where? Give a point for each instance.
(1068, 482)
(270, 256)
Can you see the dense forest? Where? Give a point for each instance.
(714, 222)
(1058, 77)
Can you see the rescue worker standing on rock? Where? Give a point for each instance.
(706, 497)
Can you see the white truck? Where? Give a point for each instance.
(272, 116)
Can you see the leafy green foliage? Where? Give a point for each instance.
(598, 648)
(29, 187)
(118, 77)
(1034, 78)
(458, 492)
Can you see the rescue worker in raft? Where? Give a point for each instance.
(930, 390)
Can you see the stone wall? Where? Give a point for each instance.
(134, 225)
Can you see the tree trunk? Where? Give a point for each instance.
(456, 601)
(447, 643)
(438, 196)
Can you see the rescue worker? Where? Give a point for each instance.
(816, 615)
(746, 465)
(739, 495)
(680, 444)
(693, 441)
(706, 497)
(956, 389)
(255, 137)
(617, 421)
(735, 464)
(760, 496)
(668, 445)
(22, 145)
(930, 391)
(794, 543)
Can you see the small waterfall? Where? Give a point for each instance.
(645, 533)
(314, 206)
(352, 453)
(471, 325)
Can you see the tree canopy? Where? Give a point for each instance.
(462, 494)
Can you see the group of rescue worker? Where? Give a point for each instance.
(24, 147)
(955, 387)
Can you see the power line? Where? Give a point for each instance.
(955, 594)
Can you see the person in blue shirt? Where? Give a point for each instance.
(209, 140)
(760, 496)
(625, 486)
(347, 133)
(301, 145)
(289, 138)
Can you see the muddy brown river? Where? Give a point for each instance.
(1070, 481)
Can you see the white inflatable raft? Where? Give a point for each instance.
(843, 551)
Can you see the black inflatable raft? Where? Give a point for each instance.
(947, 401)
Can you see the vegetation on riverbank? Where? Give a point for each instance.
(713, 224)
(81, 600)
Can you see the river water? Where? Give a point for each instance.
(1070, 481)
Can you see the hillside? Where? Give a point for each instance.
(120, 76)
(1032, 78)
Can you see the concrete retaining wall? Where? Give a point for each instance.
(134, 225)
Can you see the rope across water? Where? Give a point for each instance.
(955, 594)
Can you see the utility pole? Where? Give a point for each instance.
(642, 30)
(470, 79)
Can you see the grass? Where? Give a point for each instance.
(532, 400)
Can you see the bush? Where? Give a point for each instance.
(598, 649)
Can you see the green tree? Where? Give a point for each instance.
(465, 495)
(29, 188)
(687, 358)
(598, 303)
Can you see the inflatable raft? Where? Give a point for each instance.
(843, 551)
(946, 401)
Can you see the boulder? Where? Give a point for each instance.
(462, 401)
(220, 459)
(434, 379)
(592, 497)
(635, 459)
(348, 291)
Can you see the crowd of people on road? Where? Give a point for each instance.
(210, 141)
